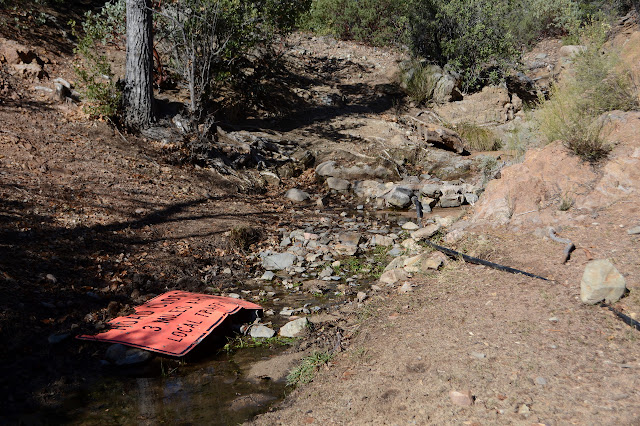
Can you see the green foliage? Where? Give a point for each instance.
(305, 372)
(574, 111)
(93, 68)
(379, 22)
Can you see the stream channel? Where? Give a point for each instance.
(211, 388)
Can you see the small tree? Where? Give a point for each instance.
(138, 85)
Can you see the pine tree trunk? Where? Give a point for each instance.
(138, 87)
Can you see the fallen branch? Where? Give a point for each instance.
(569, 245)
(476, 261)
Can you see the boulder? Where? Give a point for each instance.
(381, 240)
(358, 171)
(485, 107)
(368, 188)
(431, 190)
(294, 328)
(601, 281)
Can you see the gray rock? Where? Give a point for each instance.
(345, 249)
(601, 281)
(115, 352)
(338, 184)
(471, 198)
(405, 288)
(399, 197)
(134, 356)
(270, 177)
(431, 190)
(267, 276)
(326, 272)
(368, 188)
(261, 331)
(426, 232)
(350, 238)
(634, 230)
(571, 50)
(410, 226)
(294, 328)
(287, 311)
(541, 381)
(447, 201)
(278, 261)
(396, 263)
(381, 240)
(361, 296)
(394, 252)
(297, 195)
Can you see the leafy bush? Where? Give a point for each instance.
(93, 68)
(379, 22)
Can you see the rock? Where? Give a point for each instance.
(51, 278)
(399, 197)
(62, 92)
(278, 261)
(250, 403)
(410, 226)
(361, 296)
(122, 356)
(470, 198)
(406, 287)
(350, 238)
(411, 245)
(431, 190)
(426, 232)
(601, 281)
(485, 107)
(541, 381)
(326, 272)
(571, 50)
(267, 276)
(297, 195)
(634, 231)
(338, 184)
(381, 240)
(368, 188)
(271, 178)
(396, 263)
(359, 171)
(454, 200)
(393, 276)
(422, 263)
(294, 328)
(439, 135)
(444, 222)
(261, 331)
(463, 399)
(54, 339)
(478, 355)
(454, 236)
(345, 249)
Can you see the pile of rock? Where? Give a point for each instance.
(431, 192)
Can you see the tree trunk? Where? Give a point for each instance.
(138, 80)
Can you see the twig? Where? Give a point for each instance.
(117, 130)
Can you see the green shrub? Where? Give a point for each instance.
(573, 113)
(93, 68)
(378, 22)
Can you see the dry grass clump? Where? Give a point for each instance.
(573, 113)
(478, 138)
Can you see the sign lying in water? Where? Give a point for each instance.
(172, 323)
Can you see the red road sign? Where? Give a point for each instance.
(172, 323)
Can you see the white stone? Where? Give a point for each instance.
(601, 281)
(294, 328)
